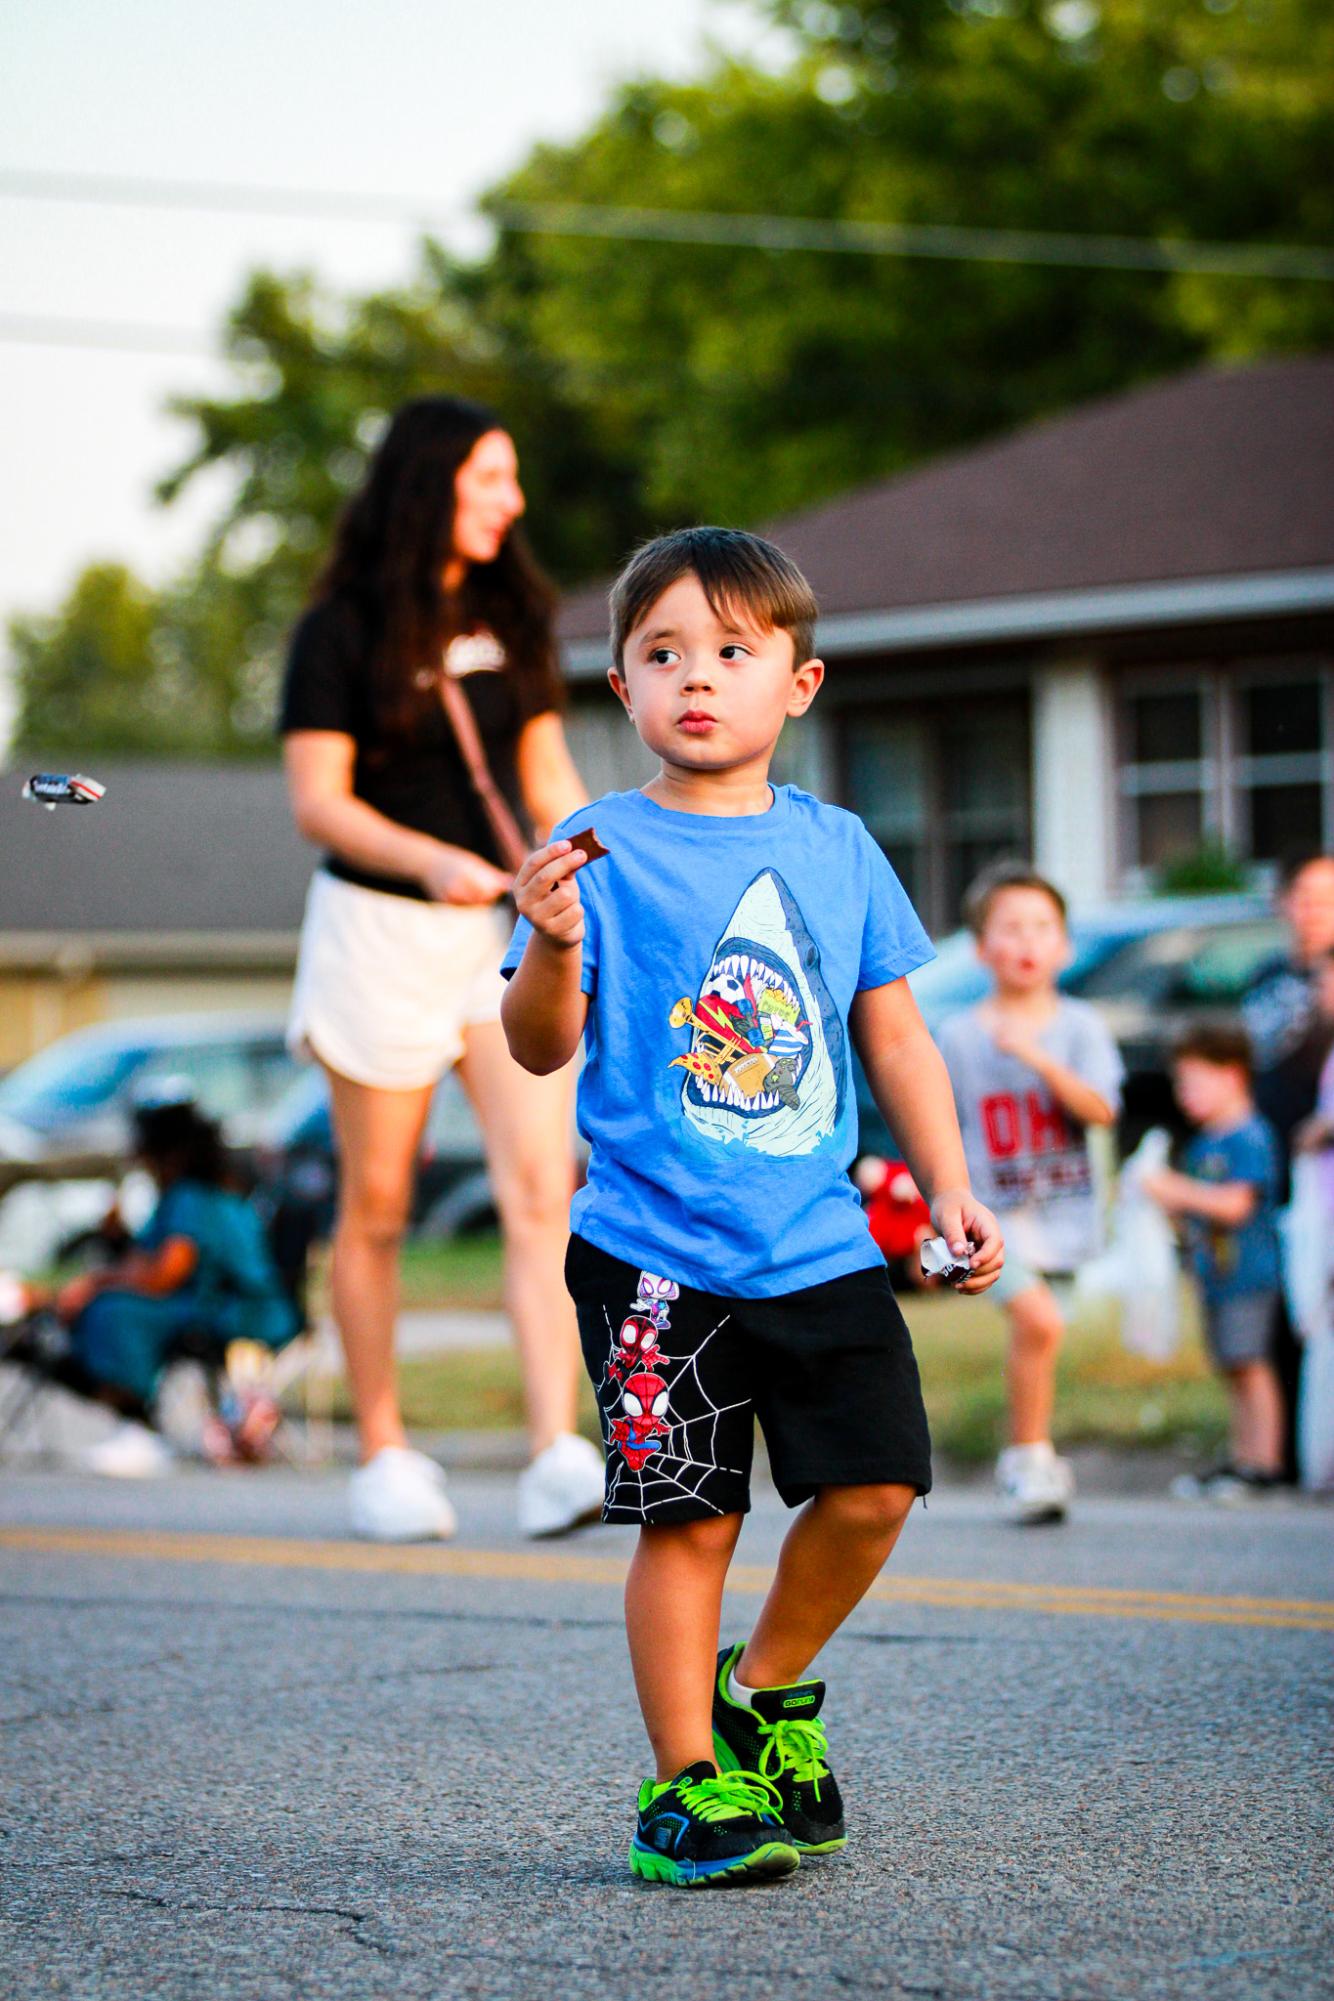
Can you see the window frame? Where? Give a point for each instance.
(1224, 775)
(938, 837)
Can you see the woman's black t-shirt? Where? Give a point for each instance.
(419, 781)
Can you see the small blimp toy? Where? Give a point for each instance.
(55, 788)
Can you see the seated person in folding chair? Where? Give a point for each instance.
(201, 1272)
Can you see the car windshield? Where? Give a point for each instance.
(1188, 965)
(69, 1078)
(956, 977)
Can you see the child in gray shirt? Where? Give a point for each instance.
(1032, 1070)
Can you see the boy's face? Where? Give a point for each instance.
(707, 693)
(1207, 1091)
(1024, 940)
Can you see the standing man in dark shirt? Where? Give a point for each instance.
(1292, 1039)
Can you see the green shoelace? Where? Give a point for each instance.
(797, 1746)
(730, 1796)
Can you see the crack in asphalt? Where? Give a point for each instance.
(349, 1921)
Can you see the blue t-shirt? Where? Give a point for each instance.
(1229, 1262)
(720, 957)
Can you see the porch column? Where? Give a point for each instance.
(1072, 780)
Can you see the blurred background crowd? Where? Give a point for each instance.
(1013, 323)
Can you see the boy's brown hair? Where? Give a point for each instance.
(1225, 1044)
(983, 890)
(736, 572)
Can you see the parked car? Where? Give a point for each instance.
(75, 1098)
(452, 1193)
(69, 1107)
(1149, 967)
(294, 1144)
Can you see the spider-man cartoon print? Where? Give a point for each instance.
(642, 1424)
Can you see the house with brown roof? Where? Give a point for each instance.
(1105, 641)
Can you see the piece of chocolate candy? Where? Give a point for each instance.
(588, 844)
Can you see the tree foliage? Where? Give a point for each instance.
(652, 382)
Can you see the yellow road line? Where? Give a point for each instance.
(564, 1567)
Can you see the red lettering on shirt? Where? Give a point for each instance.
(1047, 1128)
(1002, 1125)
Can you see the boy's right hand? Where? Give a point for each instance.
(545, 893)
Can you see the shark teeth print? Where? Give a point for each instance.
(766, 950)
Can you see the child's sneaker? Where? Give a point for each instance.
(782, 1738)
(707, 1828)
(1034, 1485)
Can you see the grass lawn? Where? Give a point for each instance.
(1105, 1396)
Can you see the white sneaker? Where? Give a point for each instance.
(1034, 1485)
(399, 1496)
(132, 1452)
(561, 1488)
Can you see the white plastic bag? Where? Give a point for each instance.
(1305, 1227)
(1308, 1280)
(1315, 1412)
(1140, 1266)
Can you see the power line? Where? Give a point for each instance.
(107, 336)
(221, 198)
(892, 239)
(701, 226)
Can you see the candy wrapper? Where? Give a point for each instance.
(939, 1261)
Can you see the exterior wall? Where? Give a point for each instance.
(1073, 754)
(38, 1008)
(607, 753)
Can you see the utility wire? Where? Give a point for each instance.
(702, 226)
(109, 336)
(893, 239)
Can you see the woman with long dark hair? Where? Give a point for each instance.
(431, 604)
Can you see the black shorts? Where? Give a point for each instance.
(681, 1376)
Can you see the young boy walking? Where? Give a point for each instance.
(716, 953)
(1226, 1201)
(1032, 1071)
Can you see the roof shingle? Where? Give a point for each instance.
(1223, 472)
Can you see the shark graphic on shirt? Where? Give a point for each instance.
(767, 1062)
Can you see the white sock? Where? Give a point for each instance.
(739, 1692)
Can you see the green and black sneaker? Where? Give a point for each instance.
(781, 1739)
(704, 1827)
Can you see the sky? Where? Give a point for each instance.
(431, 102)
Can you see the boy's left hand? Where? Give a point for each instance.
(972, 1232)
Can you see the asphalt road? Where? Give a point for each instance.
(245, 1758)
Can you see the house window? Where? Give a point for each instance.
(1238, 756)
(1281, 774)
(944, 789)
(1166, 773)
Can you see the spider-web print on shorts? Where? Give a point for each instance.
(686, 1463)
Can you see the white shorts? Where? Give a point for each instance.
(387, 985)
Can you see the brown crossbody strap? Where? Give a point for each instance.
(510, 843)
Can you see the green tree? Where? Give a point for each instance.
(651, 382)
(755, 381)
(83, 678)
